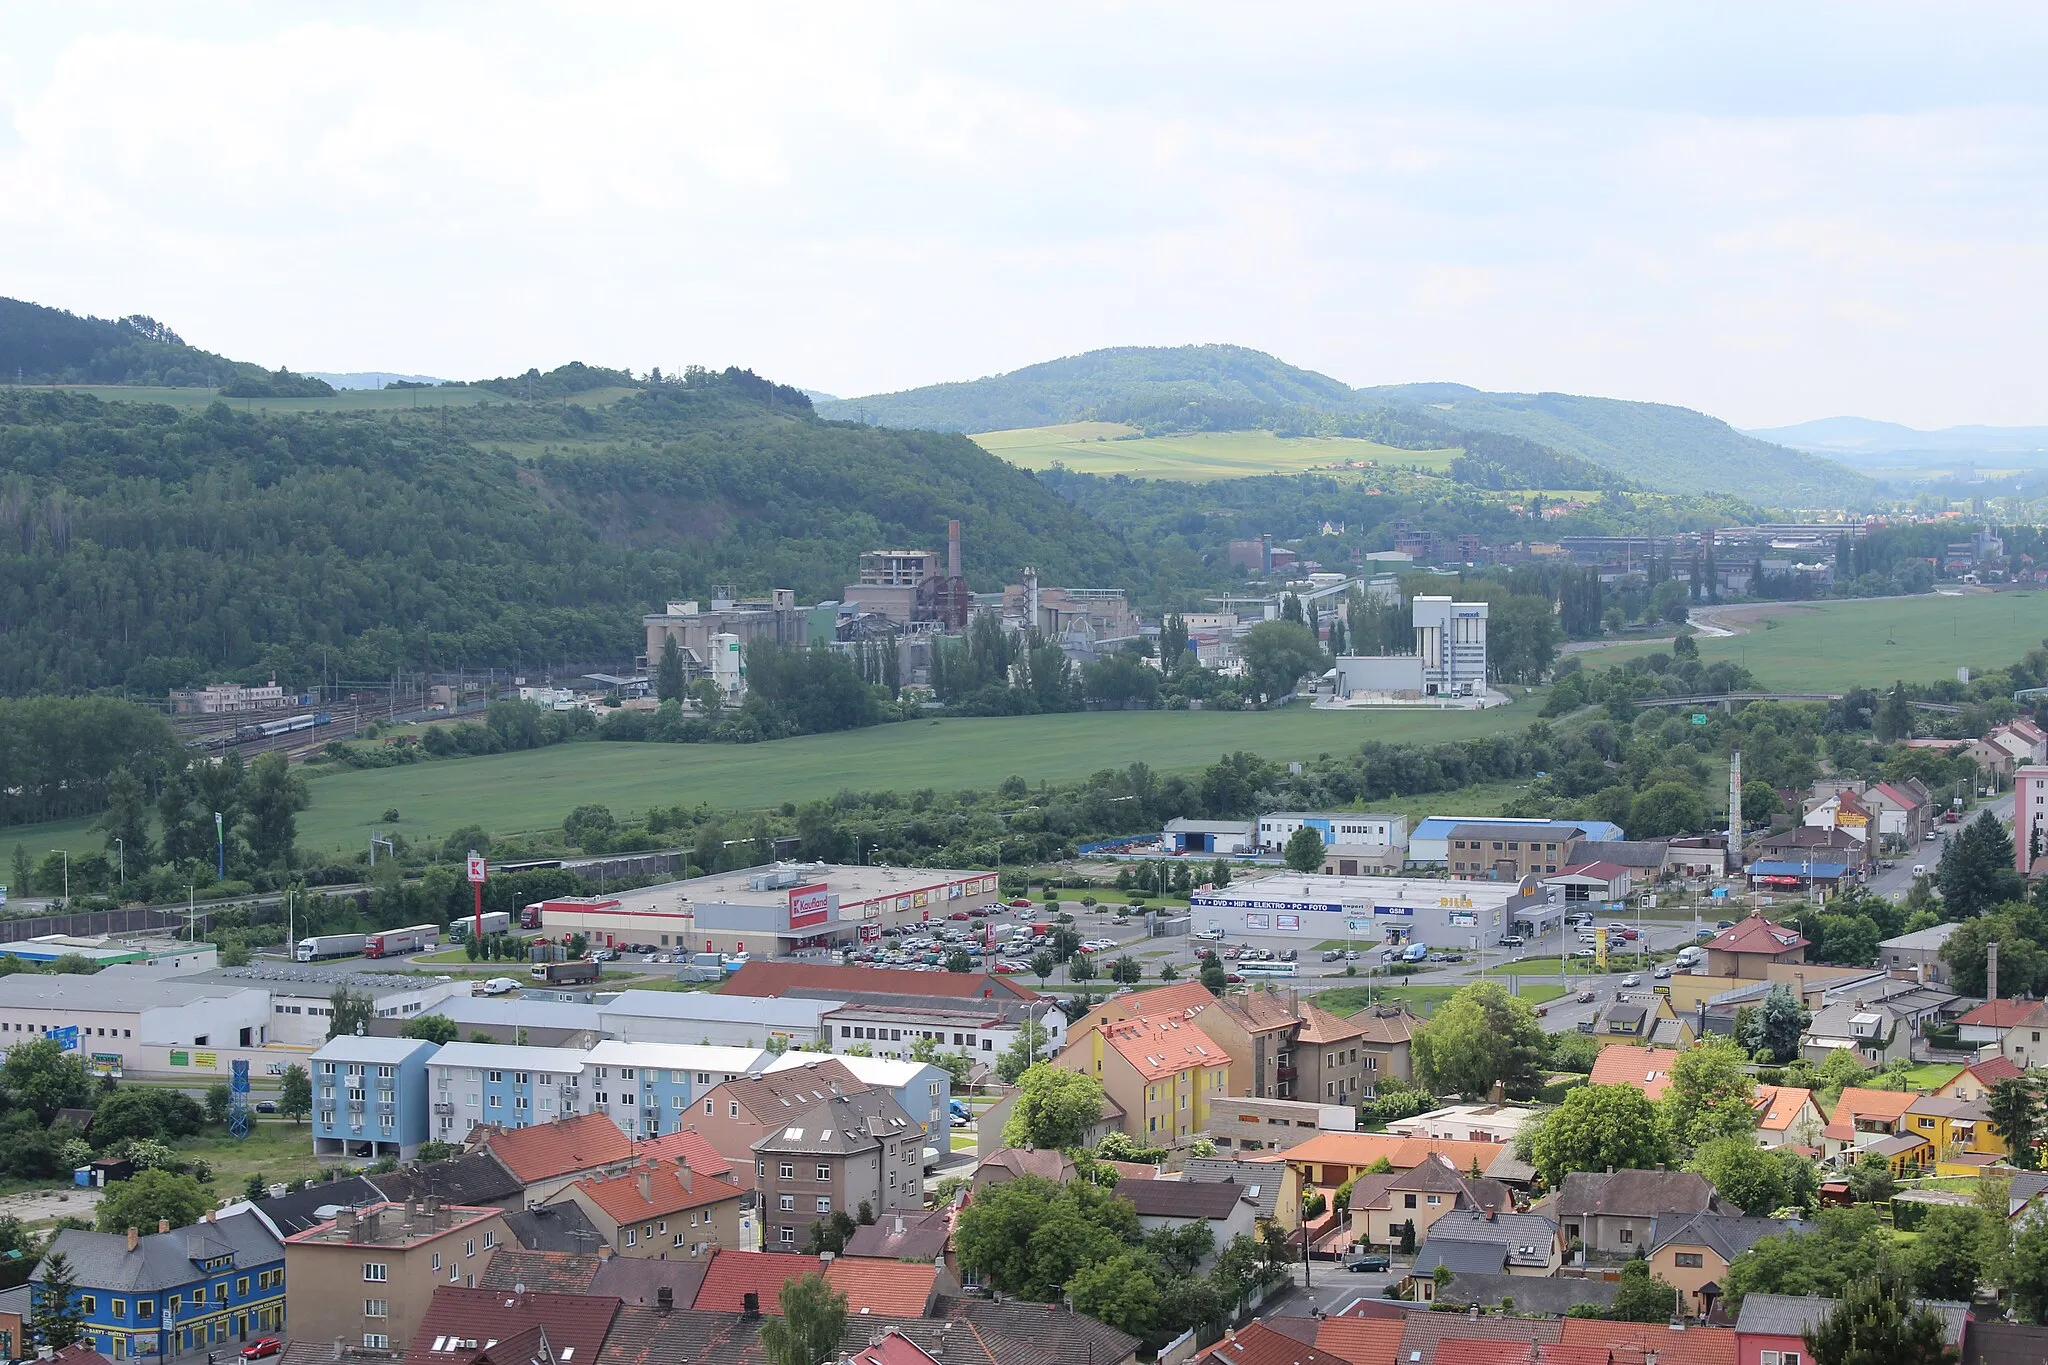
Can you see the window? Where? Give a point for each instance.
(376, 1341)
(788, 1203)
(1407, 1201)
(198, 1295)
(1627, 1235)
(376, 1308)
(787, 1236)
(1689, 1260)
(707, 1109)
(375, 1272)
(437, 1262)
(824, 1171)
(490, 1240)
(469, 1247)
(495, 1076)
(732, 1109)
(632, 1237)
(120, 1308)
(824, 1203)
(88, 1304)
(788, 1170)
(145, 1309)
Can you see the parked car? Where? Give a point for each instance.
(266, 1106)
(1366, 1265)
(1333, 954)
(1584, 952)
(1212, 932)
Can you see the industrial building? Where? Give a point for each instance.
(302, 999)
(1336, 828)
(91, 1015)
(716, 1020)
(1449, 658)
(1464, 915)
(772, 911)
(911, 587)
(1430, 843)
(713, 639)
(165, 957)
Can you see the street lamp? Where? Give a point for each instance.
(66, 854)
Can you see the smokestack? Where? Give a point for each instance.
(1991, 970)
(952, 549)
(1735, 810)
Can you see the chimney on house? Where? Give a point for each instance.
(134, 1239)
(163, 1225)
(644, 1178)
(688, 1178)
(664, 1300)
(750, 1306)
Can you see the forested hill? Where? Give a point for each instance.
(1653, 444)
(146, 548)
(1539, 440)
(41, 345)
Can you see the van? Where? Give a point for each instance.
(1919, 869)
(1416, 952)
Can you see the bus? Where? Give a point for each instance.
(1248, 970)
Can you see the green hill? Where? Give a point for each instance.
(1510, 440)
(150, 547)
(1652, 444)
(41, 345)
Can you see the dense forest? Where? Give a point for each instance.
(41, 345)
(145, 548)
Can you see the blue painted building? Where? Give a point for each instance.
(203, 1289)
(370, 1097)
(645, 1088)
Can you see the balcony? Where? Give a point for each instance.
(443, 1107)
(1285, 1073)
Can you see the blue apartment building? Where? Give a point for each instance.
(370, 1097)
(198, 1290)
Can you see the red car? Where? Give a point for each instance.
(1006, 969)
(960, 915)
(261, 1347)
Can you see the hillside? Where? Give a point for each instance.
(1511, 440)
(41, 345)
(1654, 444)
(148, 547)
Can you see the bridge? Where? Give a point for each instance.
(1728, 700)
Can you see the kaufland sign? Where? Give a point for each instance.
(809, 905)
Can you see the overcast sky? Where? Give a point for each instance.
(1771, 214)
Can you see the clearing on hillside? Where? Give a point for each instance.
(1110, 448)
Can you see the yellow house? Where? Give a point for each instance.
(1959, 1131)
(1908, 1154)
(1697, 1250)
(1163, 1071)
(1974, 1082)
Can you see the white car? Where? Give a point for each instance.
(1583, 952)
(1631, 980)
(1212, 933)
(500, 985)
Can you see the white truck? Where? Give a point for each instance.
(323, 946)
(495, 922)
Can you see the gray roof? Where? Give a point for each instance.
(555, 1227)
(1528, 1239)
(724, 1009)
(842, 1124)
(2025, 1186)
(368, 1048)
(1667, 1031)
(1510, 1169)
(139, 991)
(1531, 1293)
(1257, 1178)
(164, 1260)
(284, 979)
(1479, 1258)
(1728, 1234)
(1635, 1194)
(1925, 940)
(300, 1210)
(473, 1178)
(923, 1236)
(1636, 853)
(489, 1009)
(1793, 1315)
(1181, 1198)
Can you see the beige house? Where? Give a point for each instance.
(851, 1154)
(660, 1210)
(1382, 1204)
(367, 1276)
(1692, 1252)
(734, 1115)
(1384, 1034)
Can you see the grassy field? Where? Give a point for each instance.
(1831, 646)
(508, 793)
(344, 400)
(1111, 448)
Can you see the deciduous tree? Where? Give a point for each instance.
(812, 1321)
(1876, 1322)
(1710, 1094)
(1054, 1108)
(1480, 1036)
(1595, 1128)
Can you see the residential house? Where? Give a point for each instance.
(1386, 1032)
(463, 1326)
(848, 1154)
(891, 1347)
(1751, 946)
(368, 1276)
(476, 1179)
(925, 1091)
(1327, 1160)
(2006, 1343)
(1918, 954)
(1383, 1206)
(1062, 1336)
(549, 1157)
(1330, 1058)
(1258, 1342)
(17, 1308)
(1489, 1241)
(2024, 740)
(1627, 1343)
(1552, 1298)
(2030, 811)
(1813, 844)
(559, 1228)
(1643, 1019)
(2022, 1042)
(1960, 1131)
(1256, 1178)
(1646, 1068)
(659, 1210)
(1257, 1030)
(1698, 856)
(370, 1097)
(1163, 1071)
(1010, 1163)
(554, 1272)
(1692, 1252)
(1903, 810)
(909, 1236)
(1974, 1081)
(1863, 1116)
(172, 1292)
(1786, 1115)
(734, 1115)
(1241, 1123)
(1226, 1207)
(1772, 1328)
(1871, 1033)
(1987, 1024)
(1908, 1154)
(896, 1289)
(1615, 1213)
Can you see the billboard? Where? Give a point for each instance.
(809, 906)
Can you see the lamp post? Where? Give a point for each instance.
(65, 853)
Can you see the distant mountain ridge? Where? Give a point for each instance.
(1219, 387)
(1867, 436)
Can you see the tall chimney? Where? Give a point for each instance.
(1735, 810)
(952, 549)
(163, 1225)
(1991, 970)
(134, 1239)
(645, 1179)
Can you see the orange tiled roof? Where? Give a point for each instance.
(1182, 997)
(884, 1288)
(1632, 1343)
(1888, 1105)
(688, 1146)
(547, 1150)
(1362, 1341)
(1648, 1069)
(1258, 1344)
(1318, 1025)
(1993, 1070)
(625, 1201)
(1999, 1013)
(733, 1274)
(1778, 1105)
(1362, 1149)
(1162, 1045)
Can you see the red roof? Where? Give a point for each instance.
(654, 1189)
(1757, 935)
(1362, 1341)
(1634, 1342)
(1606, 872)
(546, 1151)
(1994, 1070)
(1425, 1333)
(1259, 1344)
(780, 978)
(884, 1288)
(577, 1324)
(688, 1146)
(1648, 1069)
(1470, 1351)
(733, 1274)
(893, 1349)
(1999, 1013)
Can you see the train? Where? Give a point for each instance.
(270, 729)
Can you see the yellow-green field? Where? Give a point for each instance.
(1833, 646)
(1110, 448)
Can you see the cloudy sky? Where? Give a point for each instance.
(1770, 213)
